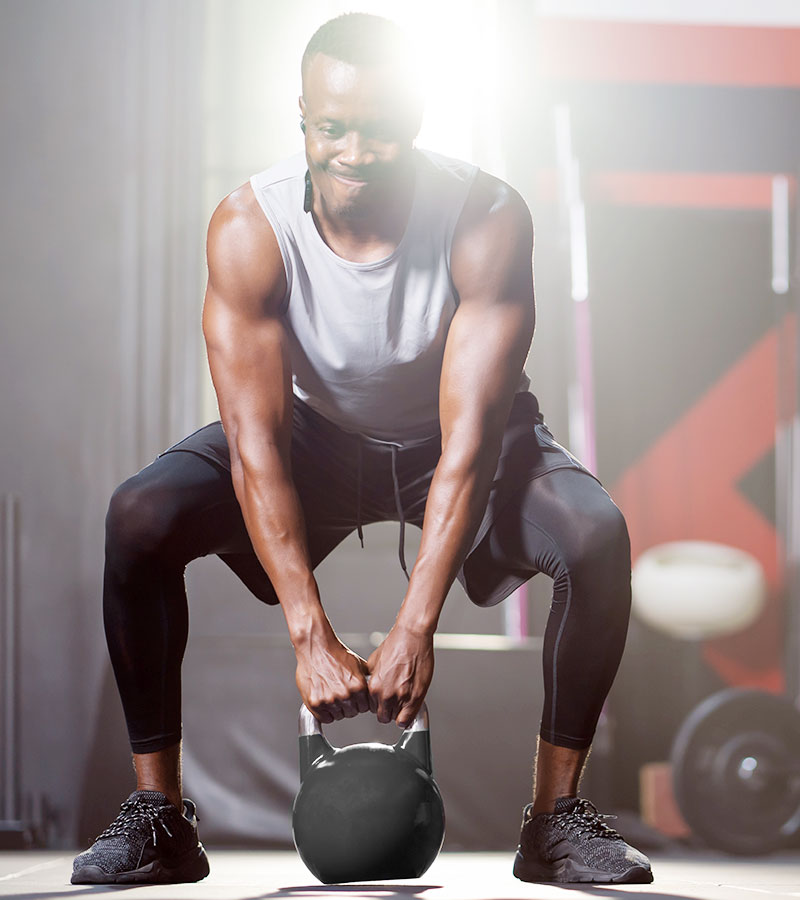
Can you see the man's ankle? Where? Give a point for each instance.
(547, 804)
(175, 798)
(161, 771)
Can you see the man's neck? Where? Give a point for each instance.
(374, 233)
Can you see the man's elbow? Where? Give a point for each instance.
(259, 456)
(469, 449)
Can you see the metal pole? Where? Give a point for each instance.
(792, 650)
(10, 687)
(787, 430)
(580, 399)
(515, 614)
(785, 375)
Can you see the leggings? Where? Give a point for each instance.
(182, 506)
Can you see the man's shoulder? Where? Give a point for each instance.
(446, 167)
(486, 193)
(494, 215)
(238, 209)
(244, 209)
(491, 198)
(239, 231)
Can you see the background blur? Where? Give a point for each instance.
(125, 123)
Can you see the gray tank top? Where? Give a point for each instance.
(367, 339)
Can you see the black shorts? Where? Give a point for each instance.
(345, 480)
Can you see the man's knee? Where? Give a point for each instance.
(140, 517)
(599, 544)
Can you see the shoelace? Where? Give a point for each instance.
(590, 821)
(133, 814)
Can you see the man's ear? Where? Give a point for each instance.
(302, 114)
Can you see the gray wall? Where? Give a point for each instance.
(100, 255)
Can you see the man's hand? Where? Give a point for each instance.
(331, 678)
(400, 674)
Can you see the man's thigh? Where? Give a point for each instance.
(531, 463)
(324, 475)
(554, 522)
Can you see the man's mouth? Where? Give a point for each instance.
(351, 180)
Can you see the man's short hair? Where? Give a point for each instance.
(368, 40)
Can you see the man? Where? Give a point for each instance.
(368, 314)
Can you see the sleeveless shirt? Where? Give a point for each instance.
(367, 339)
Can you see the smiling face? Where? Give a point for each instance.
(359, 131)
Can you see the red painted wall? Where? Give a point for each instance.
(680, 128)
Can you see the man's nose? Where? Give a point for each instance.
(356, 151)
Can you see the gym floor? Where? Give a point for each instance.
(259, 875)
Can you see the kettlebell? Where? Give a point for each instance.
(367, 812)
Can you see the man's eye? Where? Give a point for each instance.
(330, 131)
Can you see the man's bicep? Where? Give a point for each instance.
(247, 347)
(484, 356)
(251, 371)
(492, 329)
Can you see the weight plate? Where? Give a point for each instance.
(736, 771)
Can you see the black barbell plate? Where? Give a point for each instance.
(736, 771)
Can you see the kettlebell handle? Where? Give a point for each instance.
(309, 724)
(415, 739)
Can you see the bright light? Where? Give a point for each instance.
(462, 73)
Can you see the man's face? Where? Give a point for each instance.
(359, 134)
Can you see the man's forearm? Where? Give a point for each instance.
(456, 502)
(274, 519)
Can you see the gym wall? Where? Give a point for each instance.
(678, 129)
(101, 256)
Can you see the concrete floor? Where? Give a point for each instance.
(259, 875)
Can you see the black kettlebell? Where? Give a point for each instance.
(367, 812)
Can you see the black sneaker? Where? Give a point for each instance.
(573, 843)
(150, 842)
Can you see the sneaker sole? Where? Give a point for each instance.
(566, 871)
(192, 866)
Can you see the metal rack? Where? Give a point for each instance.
(14, 834)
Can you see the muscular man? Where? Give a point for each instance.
(368, 313)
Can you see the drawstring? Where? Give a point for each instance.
(358, 513)
(401, 550)
(398, 504)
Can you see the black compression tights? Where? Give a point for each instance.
(182, 507)
(565, 525)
